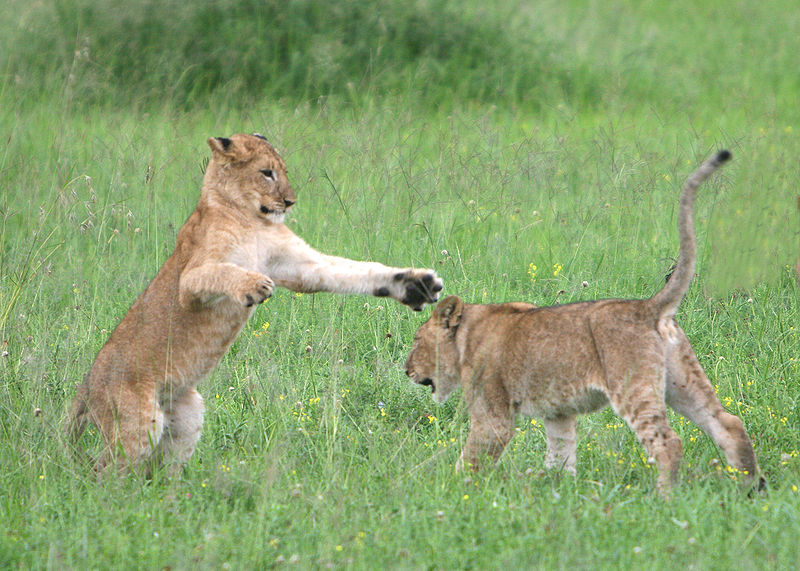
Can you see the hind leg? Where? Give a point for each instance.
(635, 373)
(647, 417)
(131, 423)
(560, 433)
(182, 427)
(690, 393)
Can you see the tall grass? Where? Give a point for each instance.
(299, 50)
(317, 451)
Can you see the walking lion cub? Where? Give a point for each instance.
(557, 362)
(230, 254)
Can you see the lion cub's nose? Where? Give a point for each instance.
(288, 202)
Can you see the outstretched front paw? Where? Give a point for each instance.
(254, 289)
(417, 287)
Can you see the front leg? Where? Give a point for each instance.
(207, 283)
(488, 437)
(561, 453)
(301, 268)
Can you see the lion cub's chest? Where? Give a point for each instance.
(253, 252)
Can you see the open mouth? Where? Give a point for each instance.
(275, 215)
(428, 382)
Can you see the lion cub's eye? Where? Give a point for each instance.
(269, 173)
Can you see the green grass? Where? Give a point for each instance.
(299, 50)
(330, 456)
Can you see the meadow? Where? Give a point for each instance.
(531, 152)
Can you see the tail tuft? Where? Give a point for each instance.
(722, 156)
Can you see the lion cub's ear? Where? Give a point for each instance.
(222, 147)
(448, 311)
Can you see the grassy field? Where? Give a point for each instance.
(481, 142)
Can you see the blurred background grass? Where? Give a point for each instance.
(145, 51)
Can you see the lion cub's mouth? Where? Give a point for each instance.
(428, 382)
(274, 214)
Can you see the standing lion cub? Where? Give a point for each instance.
(230, 254)
(557, 362)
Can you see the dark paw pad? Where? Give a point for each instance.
(417, 295)
(420, 288)
(429, 281)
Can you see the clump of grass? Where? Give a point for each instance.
(147, 51)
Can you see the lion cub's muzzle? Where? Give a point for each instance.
(287, 204)
(425, 382)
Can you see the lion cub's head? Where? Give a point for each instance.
(434, 357)
(247, 171)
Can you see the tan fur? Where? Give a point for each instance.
(557, 362)
(230, 254)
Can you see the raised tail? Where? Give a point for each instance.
(666, 301)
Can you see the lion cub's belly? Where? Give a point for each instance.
(204, 343)
(169, 347)
(588, 400)
(543, 400)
